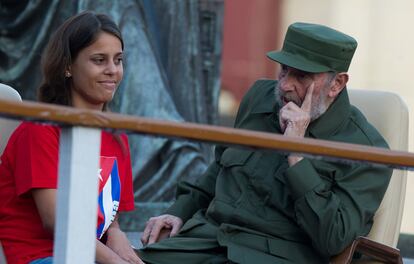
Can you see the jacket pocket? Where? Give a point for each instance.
(293, 252)
(235, 157)
(326, 171)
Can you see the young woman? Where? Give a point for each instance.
(82, 68)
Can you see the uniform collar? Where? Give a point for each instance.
(265, 106)
(267, 102)
(328, 123)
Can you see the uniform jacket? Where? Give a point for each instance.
(263, 211)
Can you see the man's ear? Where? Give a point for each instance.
(339, 83)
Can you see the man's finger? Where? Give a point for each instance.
(288, 113)
(155, 232)
(146, 233)
(307, 102)
(175, 228)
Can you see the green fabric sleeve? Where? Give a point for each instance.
(193, 197)
(301, 183)
(333, 212)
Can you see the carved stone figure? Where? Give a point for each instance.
(172, 64)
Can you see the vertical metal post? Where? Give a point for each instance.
(76, 208)
(2, 257)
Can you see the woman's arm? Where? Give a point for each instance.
(104, 255)
(119, 243)
(45, 200)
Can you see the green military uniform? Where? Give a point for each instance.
(251, 207)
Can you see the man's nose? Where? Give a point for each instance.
(287, 82)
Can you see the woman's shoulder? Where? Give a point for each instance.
(29, 135)
(29, 125)
(110, 136)
(37, 129)
(114, 143)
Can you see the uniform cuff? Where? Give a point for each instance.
(302, 178)
(180, 208)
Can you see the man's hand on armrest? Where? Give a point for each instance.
(160, 227)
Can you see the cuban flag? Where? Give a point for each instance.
(109, 193)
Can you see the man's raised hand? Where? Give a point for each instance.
(294, 120)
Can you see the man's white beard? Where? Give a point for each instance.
(319, 104)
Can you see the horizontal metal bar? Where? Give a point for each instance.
(214, 134)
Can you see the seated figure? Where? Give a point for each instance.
(259, 206)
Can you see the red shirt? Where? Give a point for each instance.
(30, 161)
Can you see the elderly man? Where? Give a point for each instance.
(254, 206)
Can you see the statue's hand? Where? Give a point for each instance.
(160, 227)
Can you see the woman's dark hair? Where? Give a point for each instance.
(75, 34)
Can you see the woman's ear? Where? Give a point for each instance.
(68, 72)
(339, 83)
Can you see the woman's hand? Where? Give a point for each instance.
(105, 255)
(119, 243)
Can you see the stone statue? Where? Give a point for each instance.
(171, 72)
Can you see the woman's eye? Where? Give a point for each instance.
(98, 60)
(118, 61)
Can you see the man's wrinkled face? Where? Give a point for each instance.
(293, 85)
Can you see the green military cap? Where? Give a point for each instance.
(315, 48)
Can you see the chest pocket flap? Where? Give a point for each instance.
(235, 157)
